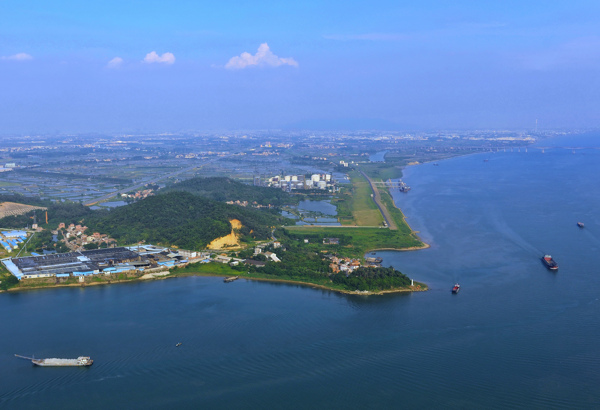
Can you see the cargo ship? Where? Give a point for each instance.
(53, 362)
(456, 288)
(403, 187)
(549, 262)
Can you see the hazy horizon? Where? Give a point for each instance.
(73, 67)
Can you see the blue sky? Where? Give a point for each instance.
(121, 66)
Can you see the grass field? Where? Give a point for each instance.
(394, 211)
(362, 240)
(382, 170)
(356, 207)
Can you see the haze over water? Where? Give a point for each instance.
(517, 335)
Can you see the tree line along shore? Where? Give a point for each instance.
(190, 218)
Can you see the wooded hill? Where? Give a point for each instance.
(225, 189)
(181, 219)
(173, 218)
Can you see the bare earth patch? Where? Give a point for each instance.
(13, 208)
(228, 241)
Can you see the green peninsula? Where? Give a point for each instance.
(267, 246)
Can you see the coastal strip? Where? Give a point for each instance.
(418, 287)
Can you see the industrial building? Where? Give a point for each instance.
(11, 240)
(292, 182)
(81, 263)
(97, 261)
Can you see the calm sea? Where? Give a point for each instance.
(517, 335)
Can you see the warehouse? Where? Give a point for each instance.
(82, 263)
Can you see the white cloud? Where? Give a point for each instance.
(115, 62)
(153, 57)
(263, 57)
(18, 57)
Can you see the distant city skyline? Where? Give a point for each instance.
(154, 66)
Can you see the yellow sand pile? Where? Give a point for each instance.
(230, 240)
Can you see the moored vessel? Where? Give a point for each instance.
(549, 262)
(55, 362)
(456, 288)
(231, 279)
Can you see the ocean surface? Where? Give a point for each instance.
(516, 336)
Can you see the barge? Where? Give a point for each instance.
(54, 362)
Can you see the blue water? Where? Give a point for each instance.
(378, 156)
(517, 335)
(114, 204)
(325, 207)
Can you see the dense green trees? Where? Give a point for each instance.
(299, 262)
(44, 240)
(181, 219)
(173, 218)
(225, 189)
(372, 279)
(8, 281)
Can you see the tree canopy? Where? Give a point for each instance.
(181, 219)
(225, 189)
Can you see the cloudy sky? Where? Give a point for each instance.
(112, 66)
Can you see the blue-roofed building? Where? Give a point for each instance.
(12, 268)
(14, 234)
(82, 264)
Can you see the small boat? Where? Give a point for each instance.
(580, 224)
(231, 279)
(549, 262)
(178, 344)
(456, 288)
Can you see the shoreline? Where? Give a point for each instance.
(421, 287)
(411, 248)
(346, 292)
